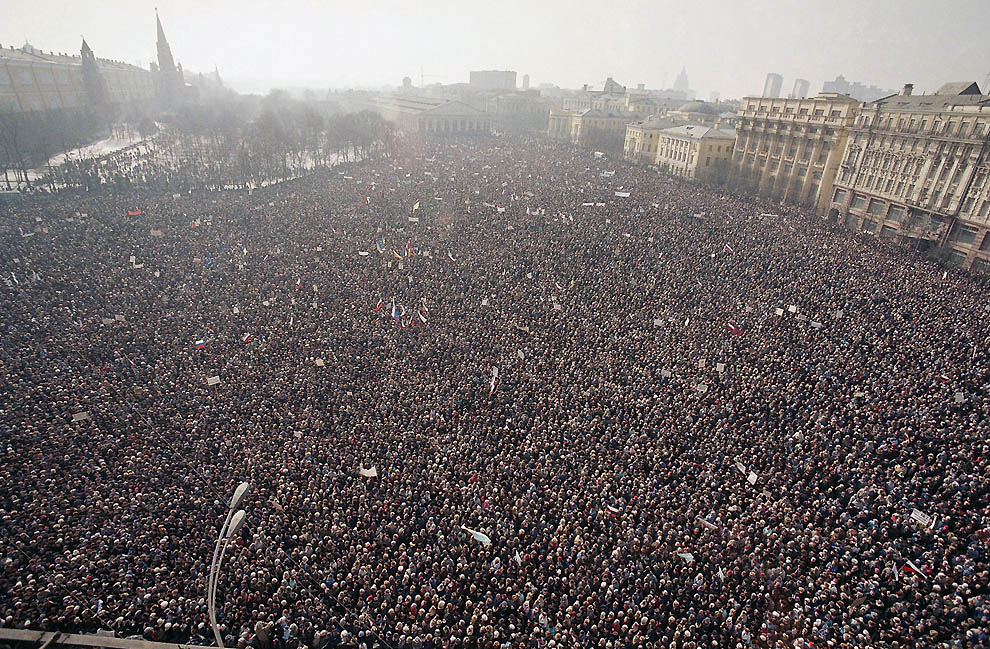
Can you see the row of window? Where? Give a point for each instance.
(918, 124)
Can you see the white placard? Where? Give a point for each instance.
(80, 416)
(719, 367)
(751, 478)
(213, 380)
(778, 311)
(921, 517)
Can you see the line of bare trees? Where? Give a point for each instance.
(229, 142)
(226, 146)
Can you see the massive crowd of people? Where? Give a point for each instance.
(669, 419)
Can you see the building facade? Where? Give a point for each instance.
(35, 81)
(493, 79)
(601, 130)
(518, 112)
(855, 89)
(790, 149)
(801, 87)
(916, 170)
(695, 152)
(431, 115)
(643, 138)
(771, 87)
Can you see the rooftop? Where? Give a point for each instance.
(696, 132)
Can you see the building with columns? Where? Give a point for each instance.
(789, 149)
(695, 152)
(643, 138)
(916, 170)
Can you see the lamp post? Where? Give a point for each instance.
(231, 525)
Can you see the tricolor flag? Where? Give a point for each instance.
(909, 566)
(425, 310)
(558, 287)
(733, 329)
(729, 249)
(244, 252)
(450, 256)
(246, 338)
(381, 303)
(298, 283)
(422, 318)
(491, 388)
(381, 245)
(200, 344)
(416, 206)
(395, 311)
(395, 254)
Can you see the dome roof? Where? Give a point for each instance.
(699, 107)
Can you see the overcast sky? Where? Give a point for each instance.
(727, 46)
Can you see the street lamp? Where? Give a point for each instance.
(231, 525)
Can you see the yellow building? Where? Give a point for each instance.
(600, 130)
(916, 170)
(36, 81)
(643, 137)
(695, 152)
(790, 149)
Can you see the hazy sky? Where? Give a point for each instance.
(727, 46)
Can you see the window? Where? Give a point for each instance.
(803, 111)
(869, 226)
(897, 212)
(859, 202)
(840, 196)
(876, 207)
(835, 113)
(819, 112)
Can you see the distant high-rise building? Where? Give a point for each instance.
(525, 85)
(681, 82)
(801, 87)
(493, 79)
(714, 97)
(771, 87)
(855, 89)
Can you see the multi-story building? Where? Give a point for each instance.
(916, 170)
(430, 115)
(695, 152)
(643, 137)
(493, 79)
(801, 87)
(855, 89)
(790, 149)
(771, 87)
(516, 112)
(604, 131)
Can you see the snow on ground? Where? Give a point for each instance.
(93, 150)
